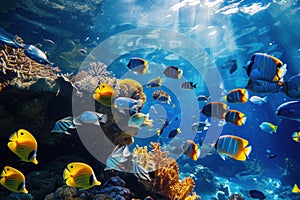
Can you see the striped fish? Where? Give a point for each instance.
(63, 125)
(235, 117)
(188, 85)
(139, 171)
(237, 95)
(117, 157)
(233, 146)
(214, 109)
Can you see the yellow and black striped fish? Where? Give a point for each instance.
(13, 180)
(214, 109)
(238, 95)
(23, 144)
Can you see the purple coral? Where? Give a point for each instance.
(115, 187)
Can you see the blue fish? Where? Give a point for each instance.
(255, 194)
(90, 117)
(265, 67)
(8, 39)
(289, 110)
(37, 55)
(63, 125)
(292, 86)
(125, 103)
(259, 86)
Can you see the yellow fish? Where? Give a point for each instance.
(296, 189)
(103, 94)
(23, 144)
(80, 175)
(296, 136)
(13, 180)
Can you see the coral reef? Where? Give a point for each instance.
(64, 193)
(15, 65)
(235, 197)
(204, 178)
(165, 181)
(115, 187)
(19, 196)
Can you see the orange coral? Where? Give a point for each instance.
(166, 180)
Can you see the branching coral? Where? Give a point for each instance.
(166, 180)
(14, 64)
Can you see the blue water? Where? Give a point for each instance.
(211, 32)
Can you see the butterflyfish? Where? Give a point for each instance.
(80, 175)
(173, 72)
(235, 117)
(23, 144)
(238, 95)
(191, 149)
(103, 94)
(214, 109)
(138, 65)
(233, 146)
(13, 180)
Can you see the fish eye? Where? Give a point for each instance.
(103, 86)
(71, 166)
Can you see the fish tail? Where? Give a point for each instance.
(265, 99)
(194, 85)
(245, 96)
(97, 182)
(296, 189)
(103, 119)
(248, 150)
(158, 132)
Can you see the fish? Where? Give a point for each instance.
(63, 125)
(259, 100)
(154, 83)
(296, 189)
(127, 104)
(233, 67)
(174, 132)
(138, 66)
(90, 117)
(268, 127)
(235, 117)
(200, 126)
(103, 94)
(296, 136)
(37, 55)
(117, 157)
(8, 39)
(214, 109)
(188, 85)
(13, 180)
(139, 119)
(271, 156)
(233, 146)
(191, 149)
(255, 194)
(139, 171)
(259, 86)
(203, 98)
(23, 144)
(163, 97)
(173, 72)
(238, 95)
(266, 67)
(289, 110)
(166, 123)
(292, 86)
(80, 175)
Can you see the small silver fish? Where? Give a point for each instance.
(139, 119)
(258, 100)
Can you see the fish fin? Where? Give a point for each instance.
(223, 156)
(12, 146)
(241, 156)
(248, 150)
(178, 130)
(245, 142)
(295, 189)
(242, 121)
(97, 123)
(158, 132)
(103, 118)
(275, 129)
(67, 133)
(246, 96)
(265, 99)
(139, 103)
(194, 85)
(282, 71)
(77, 122)
(126, 152)
(140, 172)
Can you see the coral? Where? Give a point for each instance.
(102, 197)
(235, 197)
(132, 89)
(64, 193)
(19, 196)
(115, 187)
(194, 196)
(166, 175)
(204, 178)
(14, 64)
